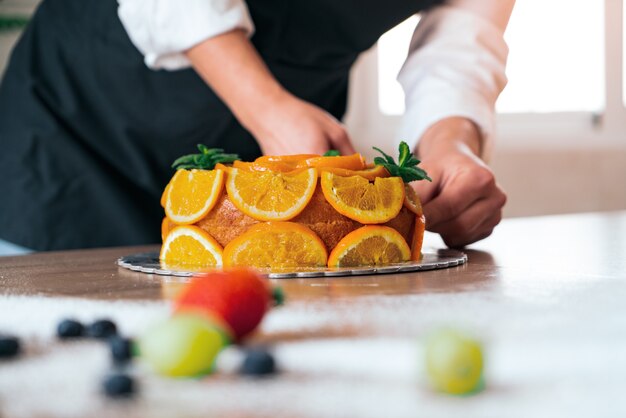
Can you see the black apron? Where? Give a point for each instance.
(88, 132)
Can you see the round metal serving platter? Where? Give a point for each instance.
(149, 263)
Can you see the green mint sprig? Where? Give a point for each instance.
(12, 23)
(206, 160)
(406, 167)
(332, 153)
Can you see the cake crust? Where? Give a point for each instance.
(225, 222)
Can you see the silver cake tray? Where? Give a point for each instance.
(149, 263)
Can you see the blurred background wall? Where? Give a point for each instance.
(561, 143)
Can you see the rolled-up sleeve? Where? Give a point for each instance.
(163, 30)
(455, 67)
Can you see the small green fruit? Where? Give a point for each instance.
(185, 345)
(454, 362)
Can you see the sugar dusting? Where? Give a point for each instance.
(338, 358)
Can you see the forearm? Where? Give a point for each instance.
(279, 121)
(231, 66)
(456, 68)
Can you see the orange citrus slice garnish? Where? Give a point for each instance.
(418, 238)
(265, 166)
(349, 162)
(165, 228)
(190, 245)
(191, 194)
(411, 200)
(271, 196)
(296, 158)
(371, 245)
(164, 195)
(276, 245)
(369, 173)
(362, 201)
(285, 163)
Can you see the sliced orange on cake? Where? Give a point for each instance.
(362, 201)
(165, 228)
(285, 163)
(411, 200)
(265, 166)
(191, 194)
(348, 162)
(418, 237)
(295, 158)
(164, 195)
(371, 245)
(271, 196)
(369, 173)
(276, 245)
(188, 245)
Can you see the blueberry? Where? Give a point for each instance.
(121, 349)
(119, 386)
(258, 362)
(9, 346)
(70, 328)
(102, 328)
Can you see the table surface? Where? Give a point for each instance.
(546, 295)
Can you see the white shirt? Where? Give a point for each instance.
(455, 65)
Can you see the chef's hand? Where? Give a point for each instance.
(280, 122)
(463, 203)
(293, 126)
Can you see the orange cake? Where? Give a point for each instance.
(296, 211)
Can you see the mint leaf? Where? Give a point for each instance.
(206, 160)
(406, 167)
(332, 153)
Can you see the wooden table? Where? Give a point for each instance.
(546, 295)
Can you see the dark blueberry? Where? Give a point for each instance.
(121, 349)
(70, 328)
(102, 328)
(119, 386)
(258, 362)
(9, 346)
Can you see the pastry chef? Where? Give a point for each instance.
(100, 96)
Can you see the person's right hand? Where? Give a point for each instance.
(292, 126)
(280, 122)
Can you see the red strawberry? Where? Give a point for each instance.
(239, 296)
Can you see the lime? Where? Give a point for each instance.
(183, 346)
(454, 362)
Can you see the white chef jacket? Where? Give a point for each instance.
(455, 66)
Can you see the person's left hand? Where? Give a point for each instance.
(463, 203)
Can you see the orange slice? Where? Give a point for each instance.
(296, 158)
(369, 173)
(271, 196)
(165, 228)
(348, 162)
(188, 245)
(411, 200)
(418, 238)
(276, 245)
(191, 194)
(265, 166)
(370, 246)
(362, 201)
(164, 195)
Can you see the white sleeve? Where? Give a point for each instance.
(163, 29)
(455, 67)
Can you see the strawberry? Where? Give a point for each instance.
(239, 296)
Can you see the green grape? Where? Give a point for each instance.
(454, 362)
(183, 346)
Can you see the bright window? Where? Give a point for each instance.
(556, 60)
(392, 51)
